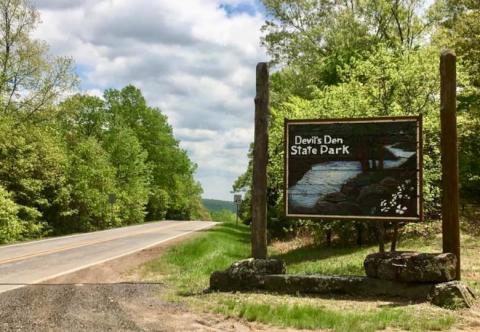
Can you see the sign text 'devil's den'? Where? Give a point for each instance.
(353, 169)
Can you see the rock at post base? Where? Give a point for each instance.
(258, 266)
(411, 267)
(247, 274)
(452, 295)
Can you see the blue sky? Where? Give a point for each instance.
(248, 7)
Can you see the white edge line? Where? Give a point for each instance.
(108, 259)
(87, 233)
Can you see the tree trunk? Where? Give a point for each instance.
(359, 228)
(329, 237)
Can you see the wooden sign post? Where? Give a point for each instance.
(260, 159)
(449, 149)
(237, 199)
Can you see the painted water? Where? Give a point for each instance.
(325, 178)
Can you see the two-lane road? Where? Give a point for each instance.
(37, 261)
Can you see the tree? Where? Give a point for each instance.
(91, 178)
(386, 83)
(458, 27)
(30, 79)
(82, 115)
(133, 173)
(33, 165)
(11, 227)
(174, 189)
(315, 39)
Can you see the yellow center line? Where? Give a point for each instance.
(79, 245)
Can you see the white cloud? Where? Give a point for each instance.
(190, 58)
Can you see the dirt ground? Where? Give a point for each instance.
(105, 298)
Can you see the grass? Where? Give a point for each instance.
(312, 316)
(187, 267)
(312, 259)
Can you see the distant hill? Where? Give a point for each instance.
(218, 205)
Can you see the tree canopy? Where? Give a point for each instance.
(361, 58)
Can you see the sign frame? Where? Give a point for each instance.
(237, 199)
(384, 119)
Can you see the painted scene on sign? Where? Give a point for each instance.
(353, 169)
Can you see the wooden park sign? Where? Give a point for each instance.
(360, 169)
(381, 157)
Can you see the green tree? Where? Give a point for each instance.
(84, 117)
(91, 178)
(388, 82)
(132, 173)
(11, 227)
(32, 168)
(30, 79)
(315, 39)
(458, 27)
(174, 191)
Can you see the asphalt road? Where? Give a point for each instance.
(34, 262)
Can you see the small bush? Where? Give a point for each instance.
(11, 226)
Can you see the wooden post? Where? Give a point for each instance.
(381, 236)
(449, 149)
(260, 159)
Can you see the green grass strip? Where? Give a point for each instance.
(188, 267)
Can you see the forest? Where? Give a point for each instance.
(370, 58)
(71, 162)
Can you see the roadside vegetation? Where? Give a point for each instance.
(218, 205)
(223, 211)
(72, 162)
(186, 269)
(223, 216)
(343, 59)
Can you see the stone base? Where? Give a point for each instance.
(350, 285)
(246, 274)
(411, 267)
(269, 275)
(452, 295)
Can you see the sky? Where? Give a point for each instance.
(193, 59)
